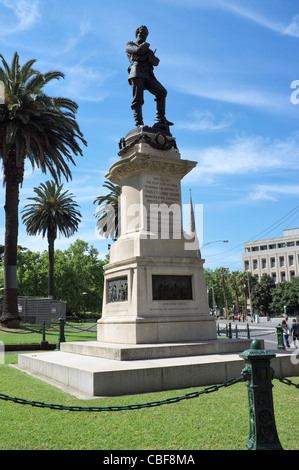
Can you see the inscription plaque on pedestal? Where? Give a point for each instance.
(162, 200)
(168, 287)
(118, 290)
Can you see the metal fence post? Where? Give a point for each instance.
(61, 337)
(258, 375)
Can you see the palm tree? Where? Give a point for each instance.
(108, 211)
(248, 281)
(43, 130)
(52, 211)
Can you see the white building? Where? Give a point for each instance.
(277, 257)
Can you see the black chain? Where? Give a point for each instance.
(152, 404)
(286, 381)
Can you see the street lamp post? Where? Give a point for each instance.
(215, 241)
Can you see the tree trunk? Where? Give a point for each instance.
(51, 240)
(13, 176)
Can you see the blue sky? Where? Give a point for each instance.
(228, 66)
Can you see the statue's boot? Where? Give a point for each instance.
(160, 117)
(138, 117)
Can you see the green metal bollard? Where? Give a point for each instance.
(248, 332)
(258, 374)
(280, 341)
(237, 336)
(230, 331)
(44, 345)
(44, 331)
(61, 337)
(218, 330)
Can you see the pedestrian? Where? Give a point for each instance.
(285, 332)
(295, 331)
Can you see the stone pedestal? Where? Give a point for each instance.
(155, 290)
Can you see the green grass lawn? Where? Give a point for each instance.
(217, 421)
(33, 334)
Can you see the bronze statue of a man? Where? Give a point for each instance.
(141, 77)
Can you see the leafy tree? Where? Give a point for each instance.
(79, 276)
(222, 277)
(108, 211)
(41, 129)
(262, 294)
(53, 211)
(32, 273)
(215, 289)
(286, 297)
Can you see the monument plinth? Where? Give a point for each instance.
(154, 290)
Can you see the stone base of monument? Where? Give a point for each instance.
(96, 369)
(82, 373)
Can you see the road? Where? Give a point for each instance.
(265, 330)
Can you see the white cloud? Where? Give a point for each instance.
(85, 83)
(249, 14)
(205, 121)
(243, 156)
(26, 12)
(73, 41)
(293, 28)
(228, 92)
(200, 77)
(267, 22)
(273, 192)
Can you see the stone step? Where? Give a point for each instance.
(134, 352)
(88, 377)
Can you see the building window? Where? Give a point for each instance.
(264, 247)
(274, 277)
(281, 245)
(255, 264)
(264, 263)
(246, 265)
(281, 261)
(291, 260)
(272, 247)
(283, 277)
(292, 274)
(273, 263)
(255, 248)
